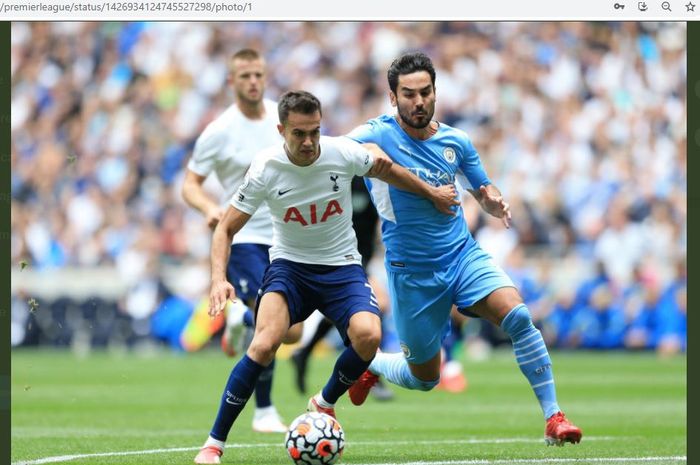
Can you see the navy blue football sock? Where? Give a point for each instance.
(347, 369)
(263, 389)
(454, 335)
(238, 389)
(249, 318)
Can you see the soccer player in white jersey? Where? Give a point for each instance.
(425, 281)
(306, 183)
(226, 148)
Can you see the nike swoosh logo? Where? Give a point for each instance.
(233, 400)
(281, 192)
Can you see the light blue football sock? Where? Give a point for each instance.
(532, 357)
(394, 368)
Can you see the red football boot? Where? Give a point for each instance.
(358, 392)
(559, 430)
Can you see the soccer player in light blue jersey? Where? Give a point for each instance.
(432, 260)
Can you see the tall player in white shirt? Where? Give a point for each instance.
(306, 183)
(226, 148)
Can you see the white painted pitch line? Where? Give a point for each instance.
(67, 458)
(674, 458)
(478, 441)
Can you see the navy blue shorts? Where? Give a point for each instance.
(336, 291)
(246, 268)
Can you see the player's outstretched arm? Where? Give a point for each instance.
(221, 290)
(491, 200)
(193, 193)
(444, 197)
(382, 161)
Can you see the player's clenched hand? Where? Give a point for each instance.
(219, 295)
(495, 205)
(445, 198)
(381, 166)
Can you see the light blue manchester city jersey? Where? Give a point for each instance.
(416, 235)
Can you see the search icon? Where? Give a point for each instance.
(666, 6)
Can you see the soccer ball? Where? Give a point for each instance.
(315, 439)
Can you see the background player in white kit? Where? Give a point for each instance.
(226, 148)
(306, 183)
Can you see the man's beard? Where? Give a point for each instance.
(406, 118)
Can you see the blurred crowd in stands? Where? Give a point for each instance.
(581, 125)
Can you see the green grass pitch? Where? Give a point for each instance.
(157, 408)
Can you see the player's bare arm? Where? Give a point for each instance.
(491, 200)
(382, 162)
(444, 197)
(221, 290)
(193, 193)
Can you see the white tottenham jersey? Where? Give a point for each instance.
(311, 205)
(227, 147)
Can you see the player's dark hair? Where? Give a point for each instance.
(409, 63)
(297, 101)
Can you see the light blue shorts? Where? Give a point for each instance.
(421, 302)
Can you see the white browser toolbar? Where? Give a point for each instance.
(379, 10)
